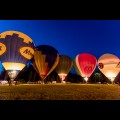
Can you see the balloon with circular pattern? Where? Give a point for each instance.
(108, 64)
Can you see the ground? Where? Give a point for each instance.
(60, 92)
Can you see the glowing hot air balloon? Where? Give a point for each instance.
(45, 60)
(85, 65)
(16, 49)
(108, 64)
(64, 66)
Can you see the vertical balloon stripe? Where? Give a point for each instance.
(34, 66)
(78, 66)
(55, 64)
(50, 59)
(38, 57)
(13, 44)
(8, 47)
(19, 43)
(4, 55)
(65, 64)
(36, 54)
(49, 52)
(40, 62)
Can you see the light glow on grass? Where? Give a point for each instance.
(60, 92)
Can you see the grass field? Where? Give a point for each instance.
(60, 92)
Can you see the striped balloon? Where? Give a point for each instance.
(64, 66)
(45, 60)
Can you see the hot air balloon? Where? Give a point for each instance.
(85, 65)
(108, 64)
(64, 66)
(16, 49)
(45, 60)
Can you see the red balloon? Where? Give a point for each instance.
(85, 64)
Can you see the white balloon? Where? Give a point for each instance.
(108, 64)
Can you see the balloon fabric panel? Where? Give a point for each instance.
(45, 60)
(40, 63)
(55, 64)
(86, 64)
(50, 52)
(65, 64)
(13, 44)
(108, 65)
(76, 66)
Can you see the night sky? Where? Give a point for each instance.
(71, 37)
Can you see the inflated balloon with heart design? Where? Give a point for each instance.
(85, 65)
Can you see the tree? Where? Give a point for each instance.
(97, 76)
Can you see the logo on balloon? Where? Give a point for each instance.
(27, 52)
(100, 65)
(88, 68)
(2, 48)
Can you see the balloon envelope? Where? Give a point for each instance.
(64, 66)
(85, 64)
(16, 49)
(45, 60)
(108, 65)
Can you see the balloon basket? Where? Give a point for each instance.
(42, 82)
(63, 82)
(11, 83)
(112, 82)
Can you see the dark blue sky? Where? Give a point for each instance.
(71, 37)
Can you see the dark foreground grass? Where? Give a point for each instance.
(60, 92)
